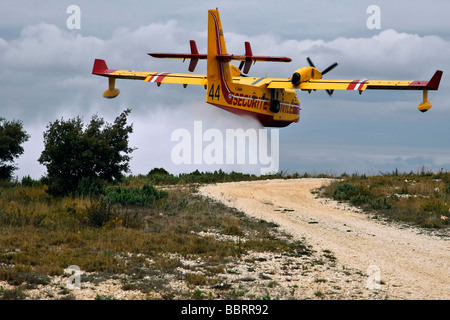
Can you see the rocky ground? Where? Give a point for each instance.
(349, 256)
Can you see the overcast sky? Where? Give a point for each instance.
(45, 74)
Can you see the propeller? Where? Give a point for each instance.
(334, 65)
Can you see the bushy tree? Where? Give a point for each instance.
(83, 158)
(12, 136)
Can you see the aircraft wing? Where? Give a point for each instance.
(100, 68)
(358, 85)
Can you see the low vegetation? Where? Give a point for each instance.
(418, 198)
(131, 228)
(146, 225)
(142, 230)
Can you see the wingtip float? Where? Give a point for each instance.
(272, 101)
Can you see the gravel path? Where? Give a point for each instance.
(404, 262)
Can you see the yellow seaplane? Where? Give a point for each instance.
(272, 101)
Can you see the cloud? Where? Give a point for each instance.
(337, 159)
(386, 55)
(44, 49)
(43, 58)
(46, 74)
(153, 136)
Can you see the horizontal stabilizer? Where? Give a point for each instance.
(224, 57)
(178, 55)
(194, 56)
(229, 57)
(248, 58)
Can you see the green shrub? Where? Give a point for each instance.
(380, 204)
(73, 150)
(357, 195)
(27, 181)
(360, 199)
(89, 187)
(134, 196)
(344, 191)
(158, 176)
(99, 212)
(160, 171)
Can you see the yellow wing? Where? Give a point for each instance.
(312, 80)
(100, 68)
(358, 85)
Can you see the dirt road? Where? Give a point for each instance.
(411, 264)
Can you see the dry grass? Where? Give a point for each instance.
(40, 236)
(422, 198)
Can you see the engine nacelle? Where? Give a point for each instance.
(304, 74)
(235, 72)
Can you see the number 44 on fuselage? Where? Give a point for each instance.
(272, 101)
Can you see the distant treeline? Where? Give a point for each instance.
(159, 176)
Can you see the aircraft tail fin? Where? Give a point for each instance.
(218, 69)
(216, 48)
